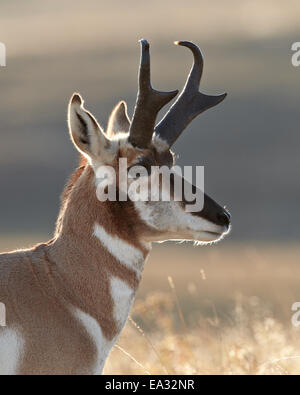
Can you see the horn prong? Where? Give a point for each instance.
(190, 103)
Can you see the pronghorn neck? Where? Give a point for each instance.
(81, 211)
(98, 254)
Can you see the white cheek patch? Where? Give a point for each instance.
(103, 346)
(123, 297)
(128, 255)
(11, 351)
(171, 217)
(193, 222)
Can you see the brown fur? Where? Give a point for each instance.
(42, 287)
(39, 285)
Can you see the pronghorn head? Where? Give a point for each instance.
(144, 146)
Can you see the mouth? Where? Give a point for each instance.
(217, 234)
(210, 236)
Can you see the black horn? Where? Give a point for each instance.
(149, 103)
(189, 104)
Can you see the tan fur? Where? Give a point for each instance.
(73, 269)
(43, 286)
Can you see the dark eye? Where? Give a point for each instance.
(140, 169)
(131, 169)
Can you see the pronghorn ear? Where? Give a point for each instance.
(118, 120)
(85, 131)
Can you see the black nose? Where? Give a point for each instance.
(224, 218)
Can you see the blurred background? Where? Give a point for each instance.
(249, 146)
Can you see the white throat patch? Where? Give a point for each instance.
(93, 329)
(128, 255)
(123, 297)
(11, 349)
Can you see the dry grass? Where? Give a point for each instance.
(222, 330)
(251, 342)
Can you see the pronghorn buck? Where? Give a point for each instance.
(67, 300)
